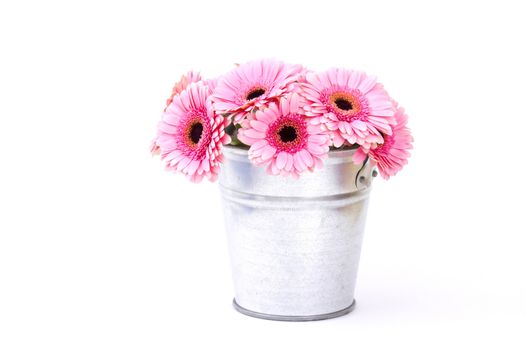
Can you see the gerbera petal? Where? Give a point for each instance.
(338, 140)
(298, 162)
(184, 81)
(267, 152)
(317, 149)
(281, 160)
(306, 158)
(366, 84)
(359, 156)
(259, 145)
(192, 167)
(289, 162)
(360, 125)
(259, 126)
(254, 134)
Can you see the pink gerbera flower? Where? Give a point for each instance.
(185, 80)
(191, 135)
(393, 153)
(254, 85)
(283, 140)
(352, 106)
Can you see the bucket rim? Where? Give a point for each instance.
(336, 155)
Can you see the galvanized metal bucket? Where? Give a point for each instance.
(295, 244)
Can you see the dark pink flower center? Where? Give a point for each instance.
(343, 104)
(196, 135)
(288, 134)
(347, 105)
(255, 92)
(196, 132)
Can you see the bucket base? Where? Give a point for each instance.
(293, 318)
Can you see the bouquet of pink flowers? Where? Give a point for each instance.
(287, 116)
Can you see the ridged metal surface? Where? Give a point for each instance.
(295, 244)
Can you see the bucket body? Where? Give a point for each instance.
(294, 243)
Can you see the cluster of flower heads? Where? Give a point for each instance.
(289, 118)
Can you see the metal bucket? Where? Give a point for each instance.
(295, 244)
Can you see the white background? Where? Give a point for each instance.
(100, 248)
